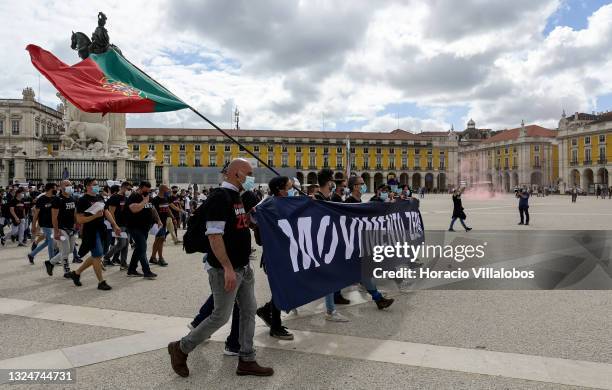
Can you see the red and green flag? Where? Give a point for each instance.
(105, 83)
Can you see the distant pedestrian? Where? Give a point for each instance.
(458, 212)
(574, 193)
(523, 206)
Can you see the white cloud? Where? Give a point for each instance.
(288, 63)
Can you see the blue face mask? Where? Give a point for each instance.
(394, 188)
(249, 183)
(291, 192)
(363, 189)
(96, 189)
(384, 195)
(69, 190)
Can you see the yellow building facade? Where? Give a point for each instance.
(414, 159)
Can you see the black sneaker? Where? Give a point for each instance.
(3, 241)
(383, 303)
(281, 333)
(67, 274)
(21, 244)
(520, 223)
(153, 260)
(116, 261)
(49, 267)
(77, 260)
(467, 229)
(30, 257)
(265, 315)
(150, 276)
(108, 263)
(340, 300)
(34, 245)
(76, 279)
(451, 230)
(134, 274)
(162, 263)
(103, 286)
(123, 267)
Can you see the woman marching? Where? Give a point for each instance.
(458, 210)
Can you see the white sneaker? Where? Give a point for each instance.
(229, 352)
(335, 317)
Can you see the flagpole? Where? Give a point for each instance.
(210, 122)
(234, 140)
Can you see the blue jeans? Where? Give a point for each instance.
(330, 305)
(48, 243)
(206, 310)
(453, 222)
(369, 285)
(140, 250)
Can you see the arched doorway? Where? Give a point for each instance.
(429, 181)
(588, 181)
(404, 178)
(575, 178)
(506, 182)
(366, 179)
(338, 175)
(378, 180)
(602, 177)
(416, 181)
(442, 182)
(311, 178)
(536, 178)
(300, 177)
(515, 181)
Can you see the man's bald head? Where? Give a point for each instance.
(238, 170)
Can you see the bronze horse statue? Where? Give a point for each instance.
(81, 43)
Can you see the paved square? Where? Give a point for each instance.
(427, 339)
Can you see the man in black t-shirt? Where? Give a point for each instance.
(162, 206)
(17, 215)
(64, 233)
(140, 217)
(116, 205)
(42, 218)
(339, 191)
(230, 275)
(357, 188)
(93, 231)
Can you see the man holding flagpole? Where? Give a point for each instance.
(230, 275)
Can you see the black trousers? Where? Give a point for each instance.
(524, 212)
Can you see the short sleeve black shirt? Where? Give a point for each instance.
(142, 219)
(65, 216)
(44, 204)
(19, 208)
(97, 225)
(226, 205)
(162, 205)
(118, 201)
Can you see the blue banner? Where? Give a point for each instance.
(312, 248)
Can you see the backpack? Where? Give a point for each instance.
(195, 239)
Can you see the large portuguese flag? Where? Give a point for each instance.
(105, 83)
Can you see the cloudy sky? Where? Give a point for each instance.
(339, 65)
